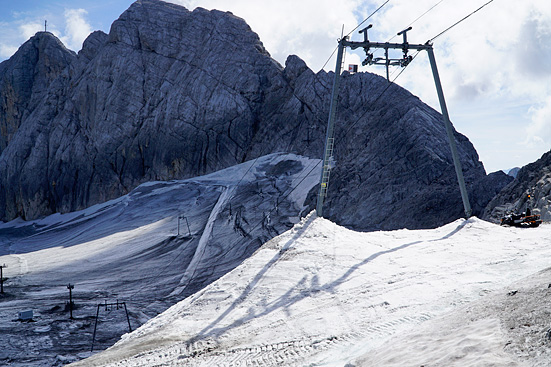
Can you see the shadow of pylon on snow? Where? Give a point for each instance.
(376, 255)
(459, 227)
(248, 289)
(290, 297)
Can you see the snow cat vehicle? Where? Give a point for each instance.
(523, 220)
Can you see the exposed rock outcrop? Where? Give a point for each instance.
(171, 93)
(530, 189)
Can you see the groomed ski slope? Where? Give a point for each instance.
(322, 295)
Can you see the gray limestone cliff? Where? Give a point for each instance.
(531, 188)
(25, 78)
(171, 93)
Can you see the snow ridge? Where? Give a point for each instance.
(203, 241)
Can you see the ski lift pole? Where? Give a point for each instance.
(185, 218)
(70, 287)
(2, 278)
(95, 328)
(449, 130)
(328, 151)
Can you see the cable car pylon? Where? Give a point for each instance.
(328, 160)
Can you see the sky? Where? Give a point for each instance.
(494, 65)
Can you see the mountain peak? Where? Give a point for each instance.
(48, 42)
(25, 77)
(166, 28)
(531, 188)
(43, 43)
(92, 44)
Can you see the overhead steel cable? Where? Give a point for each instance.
(358, 26)
(456, 23)
(366, 19)
(330, 57)
(425, 13)
(419, 17)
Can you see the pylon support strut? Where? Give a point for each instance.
(449, 131)
(329, 139)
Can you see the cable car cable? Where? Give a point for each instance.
(365, 20)
(456, 23)
(419, 17)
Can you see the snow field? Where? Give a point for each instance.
(320, 294)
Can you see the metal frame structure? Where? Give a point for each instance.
(185, 218)
(119, 305)
(70, 287)
(328, 160)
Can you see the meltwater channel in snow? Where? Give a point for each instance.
(470, 293)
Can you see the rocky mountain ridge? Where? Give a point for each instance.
(530, 189)
(172, 93)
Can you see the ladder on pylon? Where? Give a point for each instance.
(329, 162)
(343, 59)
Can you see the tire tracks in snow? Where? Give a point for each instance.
(288, 353)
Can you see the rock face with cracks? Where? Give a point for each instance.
(25, 79)
(172, 93)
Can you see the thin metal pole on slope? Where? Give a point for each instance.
(70, 287)
(127, 318)
(2, 278)
(449, 130)
(95, 327)
(329, 140)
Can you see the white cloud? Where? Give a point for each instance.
(14, 34)
(533, 50)
(29, 29)
(76, 28)
(6, 50)
(539, 131)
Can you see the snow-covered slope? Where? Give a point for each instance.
(129, 249)
(318, 294)
(321, 295)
